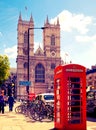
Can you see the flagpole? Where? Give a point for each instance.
(66, 58)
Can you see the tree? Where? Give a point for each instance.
(4, 68)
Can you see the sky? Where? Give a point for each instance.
(77, 22)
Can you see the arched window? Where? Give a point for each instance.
(39, 73)
(25, 65)
(25, 39)
(53, 66)
(52, 40)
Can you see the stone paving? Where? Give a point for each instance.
(13, 121)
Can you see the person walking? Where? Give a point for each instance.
(1, 103)
(11, 102)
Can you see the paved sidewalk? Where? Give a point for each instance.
(13, 121)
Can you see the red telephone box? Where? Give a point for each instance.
(70, 97)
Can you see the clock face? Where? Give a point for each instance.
(53, 54)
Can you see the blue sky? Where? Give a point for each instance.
(77, 20)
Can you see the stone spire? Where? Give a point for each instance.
(47, 20)
(31, 19)
(20, 17)
(58, 21)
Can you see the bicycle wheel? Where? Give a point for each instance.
(18, 109)
(30, 113)
(36, 113)
(50, 112)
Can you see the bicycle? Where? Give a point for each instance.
(21, 108)
(40, 111)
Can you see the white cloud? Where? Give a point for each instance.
(88, 56)
(91, 39)
(11, 52)
(77, 28)
(69, 21)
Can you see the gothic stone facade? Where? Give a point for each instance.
(41, 62)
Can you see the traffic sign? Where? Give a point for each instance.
(24, 83)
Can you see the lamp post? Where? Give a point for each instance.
(27, 87)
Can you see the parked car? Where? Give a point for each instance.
(48, 98)
(91, 102)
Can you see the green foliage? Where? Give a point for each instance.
(4, 68)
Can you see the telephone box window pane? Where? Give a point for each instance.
(74, 99)
(76, 91)
(74, 121)
(75, 103)
(75, 85)
(74, 79)
(75, 109)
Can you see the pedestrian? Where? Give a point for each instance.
(11, 102)
(1, 103)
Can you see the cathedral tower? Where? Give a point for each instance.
(51, 39)
(42, 62)
(24, 34)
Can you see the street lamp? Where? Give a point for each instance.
(27, 87)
